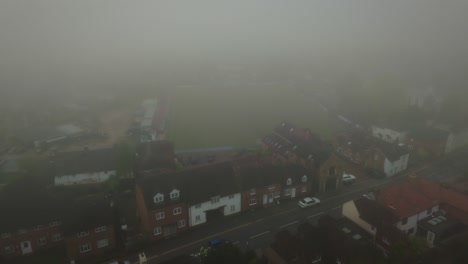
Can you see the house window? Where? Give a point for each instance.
(252, 202)
(276, 195)
(82, 234)
(197, 205)
(430, 236)
(331, 171)
(252, 191)
(215, 200)
(429, 211)
(102, 243)
(9, 249)
(41, 241)
(85, 248)
(231, 196)
(271, 187)
(181, 223)
(39, 227)
(100, 229)
(233, 208)
(304, 189)
(158, 198)
(197, 218)
(5, 235)
(289, 181)
(287, 192)
(404, 221)
(175, 194)
(157, 231)
(56, 237)
(176, 211)
(304, 178)
(55, 223)
(160, 215)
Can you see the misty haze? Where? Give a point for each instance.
(233, 131)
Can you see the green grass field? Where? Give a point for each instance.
(208, 117)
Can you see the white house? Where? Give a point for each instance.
(225, 205)
(409, 224)
(394, 166)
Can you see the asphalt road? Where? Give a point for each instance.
(256, 229)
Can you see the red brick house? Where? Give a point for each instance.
(88, 229)
(30, 220)
(161, 204)
(264, 183)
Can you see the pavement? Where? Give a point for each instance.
(256, 229)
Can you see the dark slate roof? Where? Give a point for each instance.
(25, 205)
(391, 151)
(87, 213)
(195, 185)
(303, 142)
(66, 163)
(155, 155)
(260, 175)
(153, 183)
(203, 183)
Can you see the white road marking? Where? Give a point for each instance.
(312, 216)
(235, 243)
(261, 234)
(336, 208)
(292, 223)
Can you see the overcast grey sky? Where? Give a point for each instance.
(69, 44)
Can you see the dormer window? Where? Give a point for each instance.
(158, 198)
(175, 194)
(304, 178)
(289, 181)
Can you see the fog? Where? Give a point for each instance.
(70, 45)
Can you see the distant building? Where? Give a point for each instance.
(83, 167)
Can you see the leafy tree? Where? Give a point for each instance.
(225, 253)
(408, 251)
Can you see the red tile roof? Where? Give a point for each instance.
(410, 196)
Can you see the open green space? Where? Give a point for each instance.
(208, 117)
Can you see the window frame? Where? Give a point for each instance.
(160, 215)
(86, 250)
(177, 211)
(82, 234)
(102, 240)
(252, 203)
(42, 241)
(157, 231)
(100, 229)
(181, 223)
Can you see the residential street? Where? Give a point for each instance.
(258, 227)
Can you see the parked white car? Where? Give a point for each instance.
(309, 202)
(348, 178)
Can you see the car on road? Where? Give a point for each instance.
(348, 179)
(309, 202)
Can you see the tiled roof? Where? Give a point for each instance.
(196, 185)
(154, 155)
(374, 213)
(409, 197)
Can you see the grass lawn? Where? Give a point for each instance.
(207, 117)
